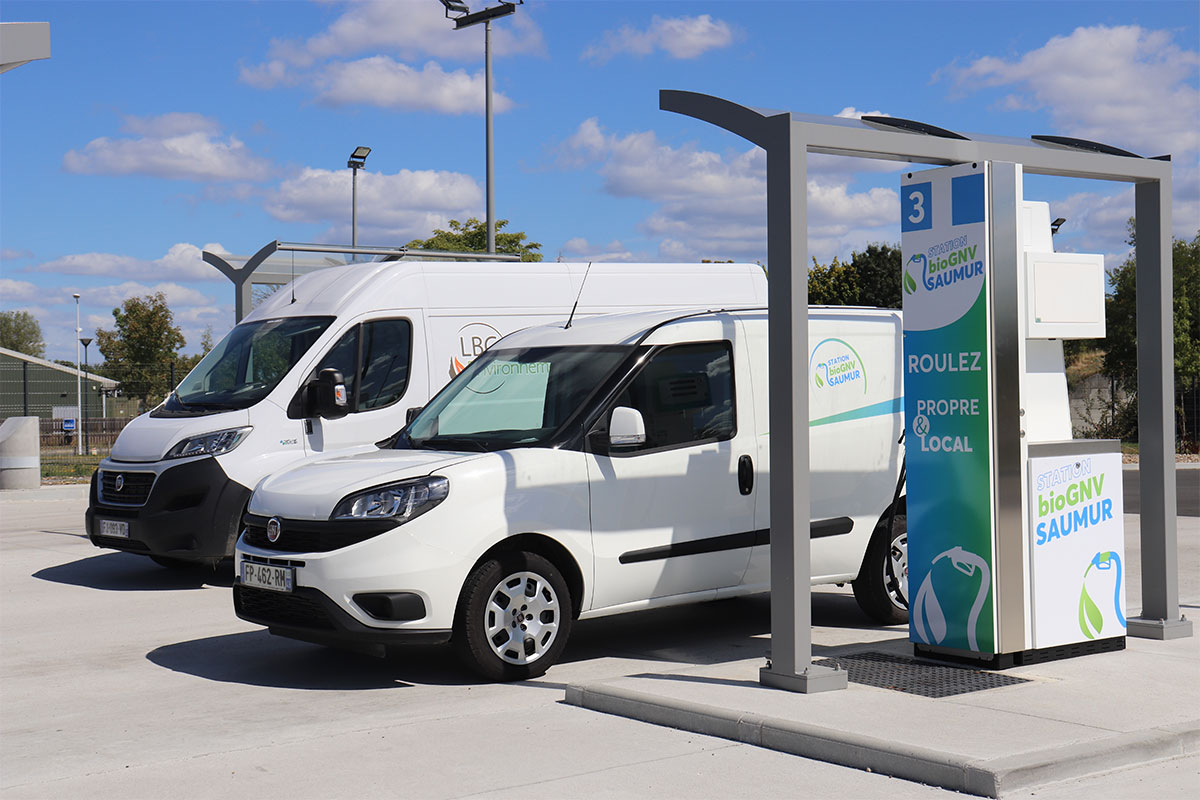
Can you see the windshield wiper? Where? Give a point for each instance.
(439, 442)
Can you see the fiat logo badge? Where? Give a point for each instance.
(119, 483)
(273, 530)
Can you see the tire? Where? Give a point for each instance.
(881, 588)
(513, 593)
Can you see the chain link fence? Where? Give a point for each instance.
(80, 415)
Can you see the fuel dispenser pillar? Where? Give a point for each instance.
(1015, 530)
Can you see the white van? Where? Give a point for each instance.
(392, 333)
(614, 465)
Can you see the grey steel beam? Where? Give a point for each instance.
(1160, 618)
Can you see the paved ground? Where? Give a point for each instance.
(1187, 489)
(122, 679)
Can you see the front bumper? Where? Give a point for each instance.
(309, 615)
(193, 511)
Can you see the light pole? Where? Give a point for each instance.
(78, 381)
(85, 341)
(357, 159)
(466, 20)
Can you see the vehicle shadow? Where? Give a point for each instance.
(127, 572)
(257, 658)
(721, 631)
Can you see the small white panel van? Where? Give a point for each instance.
(570, 472)
(390, 334)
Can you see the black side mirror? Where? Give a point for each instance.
(411, 413)
(331, 399)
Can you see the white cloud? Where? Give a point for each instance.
(182, 262)
(17, 291)
(179, 145)
(850, 112)
(177, 295)
(386, 83)
(1123, 85)
(388, 30)
(12, 254)
(398, 207)
(579, 249)
(714, 206)
(679, 37)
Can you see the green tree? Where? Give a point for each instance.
(141, 349)
(471, 237)
(21, 332)
(834, 285)
(1121, 359)
(878, 273)
(871, 278)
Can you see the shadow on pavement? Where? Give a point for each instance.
(126, 572)
(257, 658)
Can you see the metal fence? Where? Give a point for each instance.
(78, 429)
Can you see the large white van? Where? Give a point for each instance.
(614, 465)
(390, 333)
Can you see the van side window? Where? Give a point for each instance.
(385, 355)
(685, 395)
(381, 376)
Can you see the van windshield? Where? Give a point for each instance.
(512, 398)
(245, 366)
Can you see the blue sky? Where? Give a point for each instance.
(158, 129)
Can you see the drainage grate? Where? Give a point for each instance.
(902, 674)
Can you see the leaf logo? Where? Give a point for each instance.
(819, 381)
(910, 285)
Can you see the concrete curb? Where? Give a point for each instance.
(984, 777)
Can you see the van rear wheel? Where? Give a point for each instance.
(881, 588)
(514, 616)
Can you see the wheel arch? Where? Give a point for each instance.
(550, 549)
(901, 505)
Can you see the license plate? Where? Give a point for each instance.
(266, 576)
(118, 529)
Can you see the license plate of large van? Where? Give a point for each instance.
(267, 576)
(116, 528)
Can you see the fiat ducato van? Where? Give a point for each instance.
(389, 334)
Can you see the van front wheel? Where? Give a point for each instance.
(514, 616)
(882, 585)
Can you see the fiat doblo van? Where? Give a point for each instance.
(572, 472)
(177, 482)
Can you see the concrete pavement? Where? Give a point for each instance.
(122, 679)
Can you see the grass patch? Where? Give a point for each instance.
(80, 467)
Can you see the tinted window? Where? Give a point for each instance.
(685, 395)
(383, 375)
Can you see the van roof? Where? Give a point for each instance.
(380, 285)
(630, 327)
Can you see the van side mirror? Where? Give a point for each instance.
(411, 413)
(626, 427)
(330, 394)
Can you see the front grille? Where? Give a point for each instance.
(134, 491)
(280, 608)
(305, 536)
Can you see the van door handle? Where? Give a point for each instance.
(745, 475)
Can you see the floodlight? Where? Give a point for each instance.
(455, 7)
(1058, 223)
(361, 153)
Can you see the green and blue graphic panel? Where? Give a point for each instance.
(1077, 548)
(948, 416)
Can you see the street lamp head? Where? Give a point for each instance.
(76, 295)
(455, 7)
(1058, 223)
(85, 341)
(358, 157)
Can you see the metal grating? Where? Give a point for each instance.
(901, 674)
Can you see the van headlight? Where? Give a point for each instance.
(400, 501)
(209, 444)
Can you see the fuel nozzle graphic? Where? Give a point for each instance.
(1091, 618)
(929, 620)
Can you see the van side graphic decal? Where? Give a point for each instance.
(894, 406)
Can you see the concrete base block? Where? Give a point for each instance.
(1162, 629)
(814, 679)
(20, 453)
